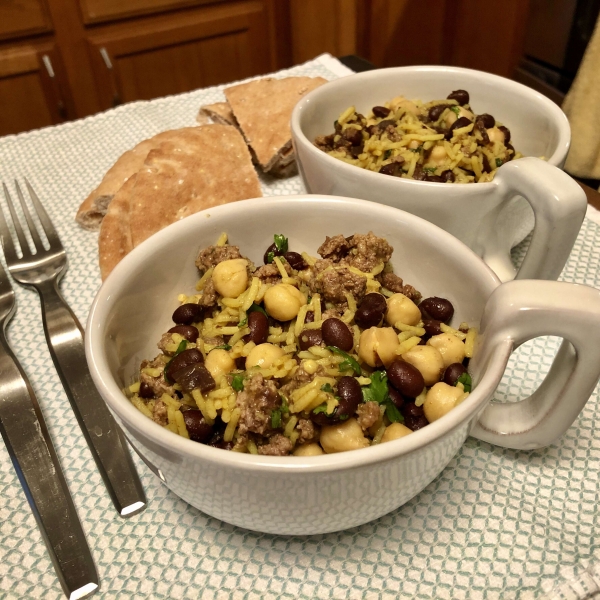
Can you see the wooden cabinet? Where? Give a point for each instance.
(33, 88)
(23, 17)
(180, 52)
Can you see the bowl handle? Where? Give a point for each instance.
(559, 206)
(518, 311)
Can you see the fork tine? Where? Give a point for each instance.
(42, 215)
(7, 240)
(37, 242)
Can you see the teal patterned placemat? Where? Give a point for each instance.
(496, 523)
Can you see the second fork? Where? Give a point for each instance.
(42, 270)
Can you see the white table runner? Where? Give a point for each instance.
(495, 524)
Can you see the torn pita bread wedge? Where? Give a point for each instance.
(114, 241)
(219, 112)
(210, 166)
(94, 207)
(263, 109)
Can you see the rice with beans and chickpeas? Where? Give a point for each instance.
(440, 141)
(304, 355)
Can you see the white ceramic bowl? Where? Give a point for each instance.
(294, 495)
(484, 216)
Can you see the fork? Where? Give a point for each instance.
(30, 448)
(42, 270)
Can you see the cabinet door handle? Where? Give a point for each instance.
(62, 109)
(106, 58)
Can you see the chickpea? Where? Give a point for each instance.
(451, 116)
(414, 144)
(377, 346)
(308, 450)
(343, 436)
(230, 277)
(495, 135)
(395, 431)
(263, 356)
(441, 399)
(283, 301)
(219, 363)
(403, 309)
(449, 346)
(428, 360)
(438, 155)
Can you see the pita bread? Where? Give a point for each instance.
(211, 167)
(219, 112)
(114, 241)
(263, 109)
(94, 207)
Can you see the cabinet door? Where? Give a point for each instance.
(33, 91)
(180, 52)
(23, 17)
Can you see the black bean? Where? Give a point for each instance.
(350, 395)
(146, 391)
(461, 96)
(370, 311)
(186, 314)
(337, 333)
(458, 124)
(186, 358)
(395, 396)
(196, 425)
(310, 317)
(354, 136)
(189, 332)
(309, 338)
(439, 309)
(506, 133)
(393, 169)
(356, 151)
(381, 111)
(452, 373)
(487, 121)
(272, 248)
(485, 164)
(240, 363)
(405, 378)
(434, 178)
(432, 326)
(448, 176)
(258, 324)
(296, 261)
(414, 416)
(435, 112)
(195, 376)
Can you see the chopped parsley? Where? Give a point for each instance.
(237, 382)
(455, 110)
(499, 162)
(257, 308)
(430, 169)
(349, 363)
(335, 123)
(222, 347)
(377, 391)
(182, 346)
(276, 419)
(284, 405)
(466, 380)
(281, 243)
(322, 408)
(387, 154)
(243, 323)
(415, 149)
(270, 257)
(327, 388)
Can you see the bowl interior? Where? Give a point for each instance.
(537, 124)
(134, 306)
